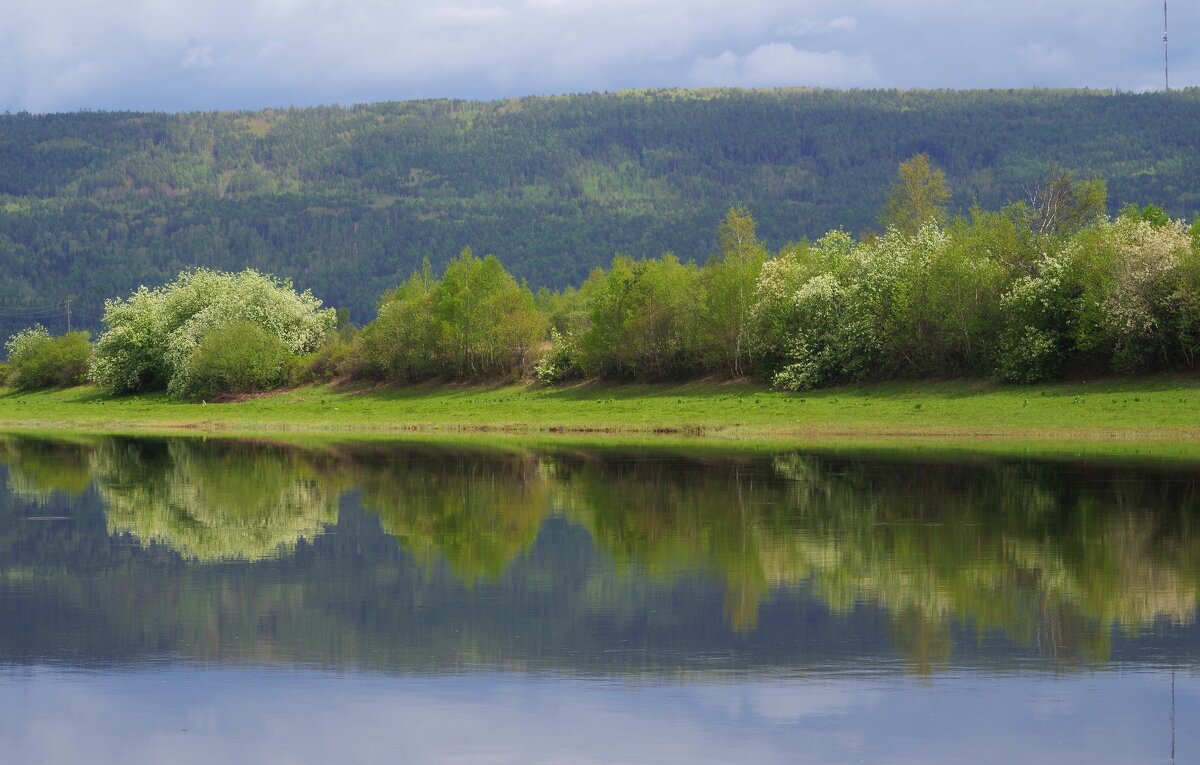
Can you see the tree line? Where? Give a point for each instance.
(1043, 287)
(349, 201)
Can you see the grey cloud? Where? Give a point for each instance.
(178, 54)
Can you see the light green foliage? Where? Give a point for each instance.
(487, 323)
(728, 293)
(644, 320)
(237, 358)
(943, 288)
(1152, 214)
(37, 360)
(400, 343)
(150, 338)
(476, 322)
(1062, 205)
(919, 196)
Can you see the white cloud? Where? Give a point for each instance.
(779, 64)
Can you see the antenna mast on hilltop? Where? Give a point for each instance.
(1166, 59)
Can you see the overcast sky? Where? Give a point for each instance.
(60, 55)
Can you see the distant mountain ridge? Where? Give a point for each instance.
(347, 201)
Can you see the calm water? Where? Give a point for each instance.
(193, 601)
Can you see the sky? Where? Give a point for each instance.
(181, 55)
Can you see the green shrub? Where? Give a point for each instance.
(340, 357)
(238, 358)
(36, 360)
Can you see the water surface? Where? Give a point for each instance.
(187, 600)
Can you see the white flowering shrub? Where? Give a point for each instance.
(26, 340)
(1135, 314)
(812, 322)
(150, 338)
(1039, 313)
(559, 363)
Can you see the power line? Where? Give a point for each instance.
(33, 308)
(38, 313)
(47, 315)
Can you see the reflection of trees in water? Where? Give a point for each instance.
(215, 501)
(477, 511)
(1028, 549)
(1046, 557)
(672, 517)
(37, 469)
(1050, 555)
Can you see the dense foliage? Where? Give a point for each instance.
(156, 338)
(238, 358)
(348, 201)
(475, 322)
(1022, 294)
(37, 360)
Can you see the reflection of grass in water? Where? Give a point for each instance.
(214, 504)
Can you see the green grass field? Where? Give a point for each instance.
(1165, 409)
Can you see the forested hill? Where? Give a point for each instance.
(347, 201)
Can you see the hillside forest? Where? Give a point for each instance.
(348, 201)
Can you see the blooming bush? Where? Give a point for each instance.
(151, 337)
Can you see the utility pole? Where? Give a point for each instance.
(68, 314)
(1166, 57)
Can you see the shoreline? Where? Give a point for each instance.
(1144, 417)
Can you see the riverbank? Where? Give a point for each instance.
(1162, 409)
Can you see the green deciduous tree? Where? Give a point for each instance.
(644, 320)
(476, 322)
(919, 196)
(728, 292)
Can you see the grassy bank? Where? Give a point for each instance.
(1157, 409)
